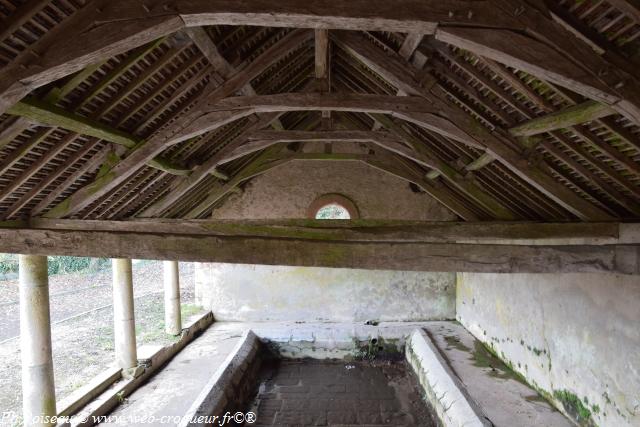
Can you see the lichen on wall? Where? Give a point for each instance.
(574, 337)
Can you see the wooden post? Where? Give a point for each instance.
(38, 390)
(172, 317)
(123, 317)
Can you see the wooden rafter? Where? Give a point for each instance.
(575, 115)
(41, 112)
(541, 138)
(255, 167)
(175, 133)
(490, 29)
(561, 137)
(392, 68)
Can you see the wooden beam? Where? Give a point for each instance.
(464, 128)
(322, 72)
(575, 115)
(409, 45)
(321, 53)
(78, 42)
(255, 167)
(48, 114)
(180, 128)
(262, 139)
(442, 168)
(342, 253)
(489, 28)
(330, 157)
(360, 230)
(42, 112)
(480, 162)
(553, 54)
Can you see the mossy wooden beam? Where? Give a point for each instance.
(480, 162)
(395, 167)
(168, 167)
(330, 157)
(472, 190)
(256, 167)
(398, 72)
(341, 253)
(575, 115)
(363, 230)
(48, 114)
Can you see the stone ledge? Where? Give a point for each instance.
(215, 397)
(442, 388)
(101, 397)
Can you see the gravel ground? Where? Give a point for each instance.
(83, 337)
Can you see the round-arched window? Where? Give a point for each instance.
(332, 206)
(333, 211)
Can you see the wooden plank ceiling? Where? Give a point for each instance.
(496, 124)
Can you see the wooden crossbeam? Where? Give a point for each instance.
(383, 230)
(176, 132)
(329, 157)
(410, 44)
(490, 28)
(396, 167)
(442, 168)
(48, 114)
(255, 167)
(577, 114)
(314, 246)
(321, 53)
(262, 139)
(465, 129)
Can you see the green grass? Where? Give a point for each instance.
(574, 407)
(188, 310)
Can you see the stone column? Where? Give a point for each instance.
(172, 318)
(123, 318)
(38, 390)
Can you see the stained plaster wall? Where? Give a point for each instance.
(287, 191)
(277, 293)
(575, 337)
(237, 292)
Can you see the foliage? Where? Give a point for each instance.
(332, 211)
(57, 264)
(8, 264)
(69, 264)
(574, 406)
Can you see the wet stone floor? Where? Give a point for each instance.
(332, 393)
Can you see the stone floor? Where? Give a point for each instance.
(338, 394)
(331, 393)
